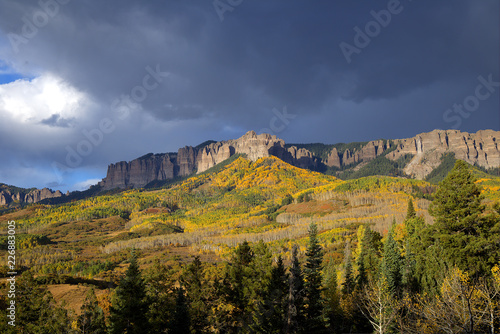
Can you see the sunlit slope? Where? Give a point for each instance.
(266, 200)
(241, 187)
(490, 184)
(272, 201)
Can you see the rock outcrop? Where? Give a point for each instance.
(188, 160)
(7, 196)
(38, 195)
(479, 148)
(366, 152)
(141, 171)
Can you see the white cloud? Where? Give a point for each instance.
(84, 185)
(31, 102)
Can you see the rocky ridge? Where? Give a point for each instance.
(479, 148)
(189, 160)
(8, 196)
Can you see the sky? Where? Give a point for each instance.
(87, 83)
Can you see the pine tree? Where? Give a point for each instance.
(239, 276)
(271, 314)
(36, 310)
(181, 321)
(160, 296)
(352, 318)
(392, 264)
(410, 211)
(332, 310)
(196, 296)
(348, 284)
(244, 255)
(466, 235)
(91, 320)
(260, 271)
(295, 309)
(409, 278)
(362, 277)
(368, 261)
(312, 282)
(128, 312)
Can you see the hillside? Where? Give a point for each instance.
(208, 215)
(266, 200)
(244, 200)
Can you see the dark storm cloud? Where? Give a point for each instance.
(225, 77)
(58, 121)
(287, 51)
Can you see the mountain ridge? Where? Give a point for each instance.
(480, 148)
(414, 157)
(10, 194)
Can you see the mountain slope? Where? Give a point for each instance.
(266, 199)
(209, 213)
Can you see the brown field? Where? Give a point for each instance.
(72, 296)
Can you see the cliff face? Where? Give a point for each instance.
(479, 148)
(141, 171)
(255, 147)
(427, 148)
(8, 196)
(189, 160)
(367, 152)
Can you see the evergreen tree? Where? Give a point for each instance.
(128, 312)
(368, 261)
(468, 237)
(332, 309)
(196, 296)
(244, 255)
(271, 314)
(238, 271)
(261, 270)
(180, 321)
(362, 277)
(36, 310)
(259, 280)
(91, 320)
(239, 275)
(349, 283)
(431, 265)
(312, 282)
(409, 278)
(410, 211)
(220, 310)
(160, 296)
(392, 264)
(295, 309)
(352, 318)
